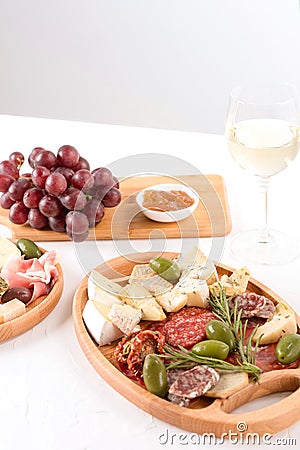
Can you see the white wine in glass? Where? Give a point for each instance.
(263, 137)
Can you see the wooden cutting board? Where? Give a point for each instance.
(206, 415)
(211, 218)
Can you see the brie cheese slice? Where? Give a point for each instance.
(96, 319)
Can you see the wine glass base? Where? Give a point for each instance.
(278, 248)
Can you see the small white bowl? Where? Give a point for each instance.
(168, 216)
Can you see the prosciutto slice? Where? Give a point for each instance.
(37, 274)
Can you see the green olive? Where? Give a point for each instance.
(212, 349)
(288, 349)
(219, 331)
(166, 268)
(155, 375)
(28, 248)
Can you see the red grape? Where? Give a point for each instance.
(5, 182)
(17, 158)
(77, 237)
(18, 213)
(83, 179)
(56, 184)
(117, 184)
(100, 193)
(94, 210)
(33, 154)
(45, 158)
(32, 197)
(66, 172)
(9, 168)
(58, 223)
(5, 201)
(73, 198)
(61, 192)
(18, 188)
(82, 164)
(36, 219)
(68, 156)
(50, 206)
(112, 198)
(103, 177)
(77, 222)
(39, 176)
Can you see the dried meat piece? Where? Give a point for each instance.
(194, 382)
(253, 305)
(267, 361)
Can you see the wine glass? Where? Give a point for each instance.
(263, 137)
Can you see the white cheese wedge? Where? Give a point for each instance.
(228, 384)
(233, 285)
(196, 290)
(281, 324)
(102, 289)
(172, 301)
(7, 250)
(195, 264)
(151, 310)
(155, 285)
(141, 271)
(125, 317)
(11, 310)
(134, 291)
(136, 295)
(96, 319)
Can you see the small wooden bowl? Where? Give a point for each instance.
(207, 415)
(35, 311)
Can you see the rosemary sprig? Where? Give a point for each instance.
(220, 306)
(183, 359)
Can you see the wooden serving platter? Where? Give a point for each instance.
(35, 311)
(207, 415)
(211, 218)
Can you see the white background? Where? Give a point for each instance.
(159, 63)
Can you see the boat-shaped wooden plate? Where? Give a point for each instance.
(36, 311)
(207, 415)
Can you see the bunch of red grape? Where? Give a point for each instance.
(61, 192)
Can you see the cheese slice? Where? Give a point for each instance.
(233, 285)
(151, 310)
(136, 295)
(228, 384)
(102, 289)
(125, 317)
(141, 271)
(172, 301)
(11, 310)
(7, 250)
(195, 264)
(95, 316)
(155, 285)
(281, 324)
(134, 291)
(196, 290)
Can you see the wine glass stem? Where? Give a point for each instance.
(264, 187)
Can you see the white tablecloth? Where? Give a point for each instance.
(51, 397)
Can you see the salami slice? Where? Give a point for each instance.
(187, 327)
(194, 382)
(253, 305)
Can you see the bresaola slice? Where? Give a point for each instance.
(192, 383)
(37, 274)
